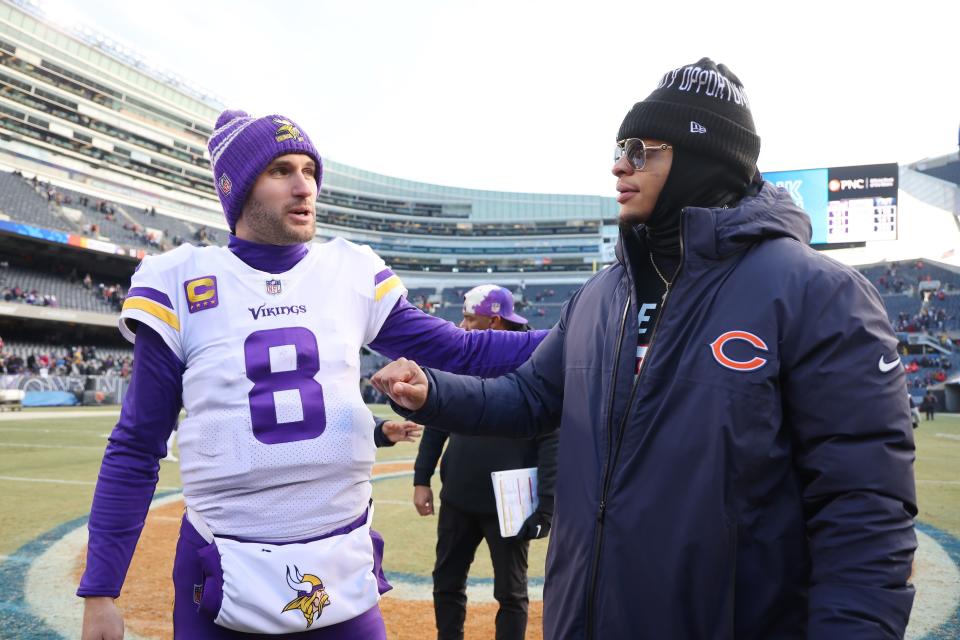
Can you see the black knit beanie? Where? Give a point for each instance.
(701, 107)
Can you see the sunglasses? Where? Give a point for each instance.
(636, 151)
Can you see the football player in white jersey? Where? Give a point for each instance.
(259, 343)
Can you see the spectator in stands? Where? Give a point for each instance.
(718, 462)
(468, 511)
(87, 282)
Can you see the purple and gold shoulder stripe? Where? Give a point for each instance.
(154, 302)
(384, 282)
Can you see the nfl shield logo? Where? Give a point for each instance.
(273, 287)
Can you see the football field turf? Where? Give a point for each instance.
(48, 466)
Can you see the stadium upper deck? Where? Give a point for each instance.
(89, 117)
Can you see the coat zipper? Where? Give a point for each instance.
(598, 533)
(608, 466)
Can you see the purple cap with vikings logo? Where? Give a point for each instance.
(490, 300)
(242, 146)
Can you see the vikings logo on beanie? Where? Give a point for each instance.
(702, 107)
(242, 146)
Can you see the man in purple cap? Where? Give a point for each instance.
(259, 342)
(468, 513)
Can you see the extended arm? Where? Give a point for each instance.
(520, 404)
(433, 342)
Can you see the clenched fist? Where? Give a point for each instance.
(404, 382)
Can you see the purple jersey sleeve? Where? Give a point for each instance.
(129, 471)
(433, 342)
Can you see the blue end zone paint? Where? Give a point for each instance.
(414, 578)
(951, 628)
(14, 613)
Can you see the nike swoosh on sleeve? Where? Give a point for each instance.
(887, 367)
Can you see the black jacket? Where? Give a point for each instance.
(469, 460)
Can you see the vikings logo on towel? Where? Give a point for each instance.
(286, 131)
(273, 287)
(201, 293)
(309, 601)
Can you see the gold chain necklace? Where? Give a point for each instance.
(666, 282)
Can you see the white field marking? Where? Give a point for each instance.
(397, 474)
(50, 589)
(166, 518)
(395, 461)
(78, 432)
(14, 416)
(21, 445)
(948, 436)
(938, 481)
(937, 581)
(56, 481)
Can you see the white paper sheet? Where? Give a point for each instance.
(516, 494)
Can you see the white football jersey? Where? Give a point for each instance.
(277, 444)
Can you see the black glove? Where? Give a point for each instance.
(535, 527)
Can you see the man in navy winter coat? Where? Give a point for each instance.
(736, 457)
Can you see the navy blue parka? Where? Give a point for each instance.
(755, 480)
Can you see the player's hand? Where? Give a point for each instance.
(102, 619)
(404, 382)
(405, 431)
(423, 500)
(535, 527)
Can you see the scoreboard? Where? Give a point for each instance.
(846, 205)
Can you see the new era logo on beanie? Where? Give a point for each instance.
(242, 146)
(702, 107)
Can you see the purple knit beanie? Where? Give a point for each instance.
(242, 146)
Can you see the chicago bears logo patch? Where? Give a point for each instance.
(717, 348)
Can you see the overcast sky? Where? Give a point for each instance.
(524, 95)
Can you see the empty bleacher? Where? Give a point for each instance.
(70, 294)
(21, 200)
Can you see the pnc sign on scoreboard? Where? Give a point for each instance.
(845, 204)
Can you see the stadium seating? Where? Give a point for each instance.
(64, 359)
(22, 202)
(71, 295)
